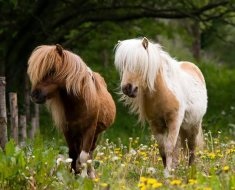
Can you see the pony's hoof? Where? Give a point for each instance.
(84, 174)
(92, 175)
(166, 173)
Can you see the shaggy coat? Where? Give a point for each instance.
(170, 95)
(77, 97)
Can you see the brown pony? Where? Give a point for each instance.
(77, 97)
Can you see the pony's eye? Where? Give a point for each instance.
(51, 72)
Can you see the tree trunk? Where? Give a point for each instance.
(3, 113)
(14, 116)
(22, 128)
(105, 57)
(2, 67)
(32, 131)
(37, 117)
(196, 45)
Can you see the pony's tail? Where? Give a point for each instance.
(200, 138)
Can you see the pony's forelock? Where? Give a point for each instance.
(41, 61)
(131, 55)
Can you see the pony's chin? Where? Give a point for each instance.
(39, 101)
(131, 95)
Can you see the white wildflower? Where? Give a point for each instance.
(59, 160)
(89, 161)
(151, 170)
(100, 154)
(115, 158)
(133, 152)
(223, 112)
(68, 160)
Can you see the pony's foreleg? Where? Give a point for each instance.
(73, 153)
(87, 142)
(170, 141)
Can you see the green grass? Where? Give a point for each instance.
(126, 157)
(119, 166)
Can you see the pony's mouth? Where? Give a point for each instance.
(41, 101)
(38, 100)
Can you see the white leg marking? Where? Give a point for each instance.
(84, 156)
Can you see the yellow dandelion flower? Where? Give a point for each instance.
(217, 151)
(211, 155)
(225, 168)
(143, 188)
(136, 142)
(192, 181)
(176, 182)
(143, 179)
(140, 185)
(96, 180)
(207, 188)
(103, 184)
(157, 184)
(143, 153)
(151, 181)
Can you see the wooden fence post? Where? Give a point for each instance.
(22, 128)
(3, 113)
(33, 129)
(37, 116)
(14, 116)
(27, 98)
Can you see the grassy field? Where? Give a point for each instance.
(44, 165)
(127, 157)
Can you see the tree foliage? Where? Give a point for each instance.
(91, 25)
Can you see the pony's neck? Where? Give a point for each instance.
(169, 69)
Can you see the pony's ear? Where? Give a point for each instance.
(59, 49)
(145, 42)
(119, 41)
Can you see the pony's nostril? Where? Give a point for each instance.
(135, 90)
(127, 89)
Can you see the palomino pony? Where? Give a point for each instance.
(170, 95)
(77, 97)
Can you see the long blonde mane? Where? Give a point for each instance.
(131, 55)
(68, 68)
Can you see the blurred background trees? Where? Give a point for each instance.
(194, 30)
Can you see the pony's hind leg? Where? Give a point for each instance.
(90, 169)
(190, 138)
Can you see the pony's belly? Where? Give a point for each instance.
(194, 113)
(196, 103)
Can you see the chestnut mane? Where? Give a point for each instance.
(67, 67)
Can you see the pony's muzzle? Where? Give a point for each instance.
(37, 96)
(130, 90)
